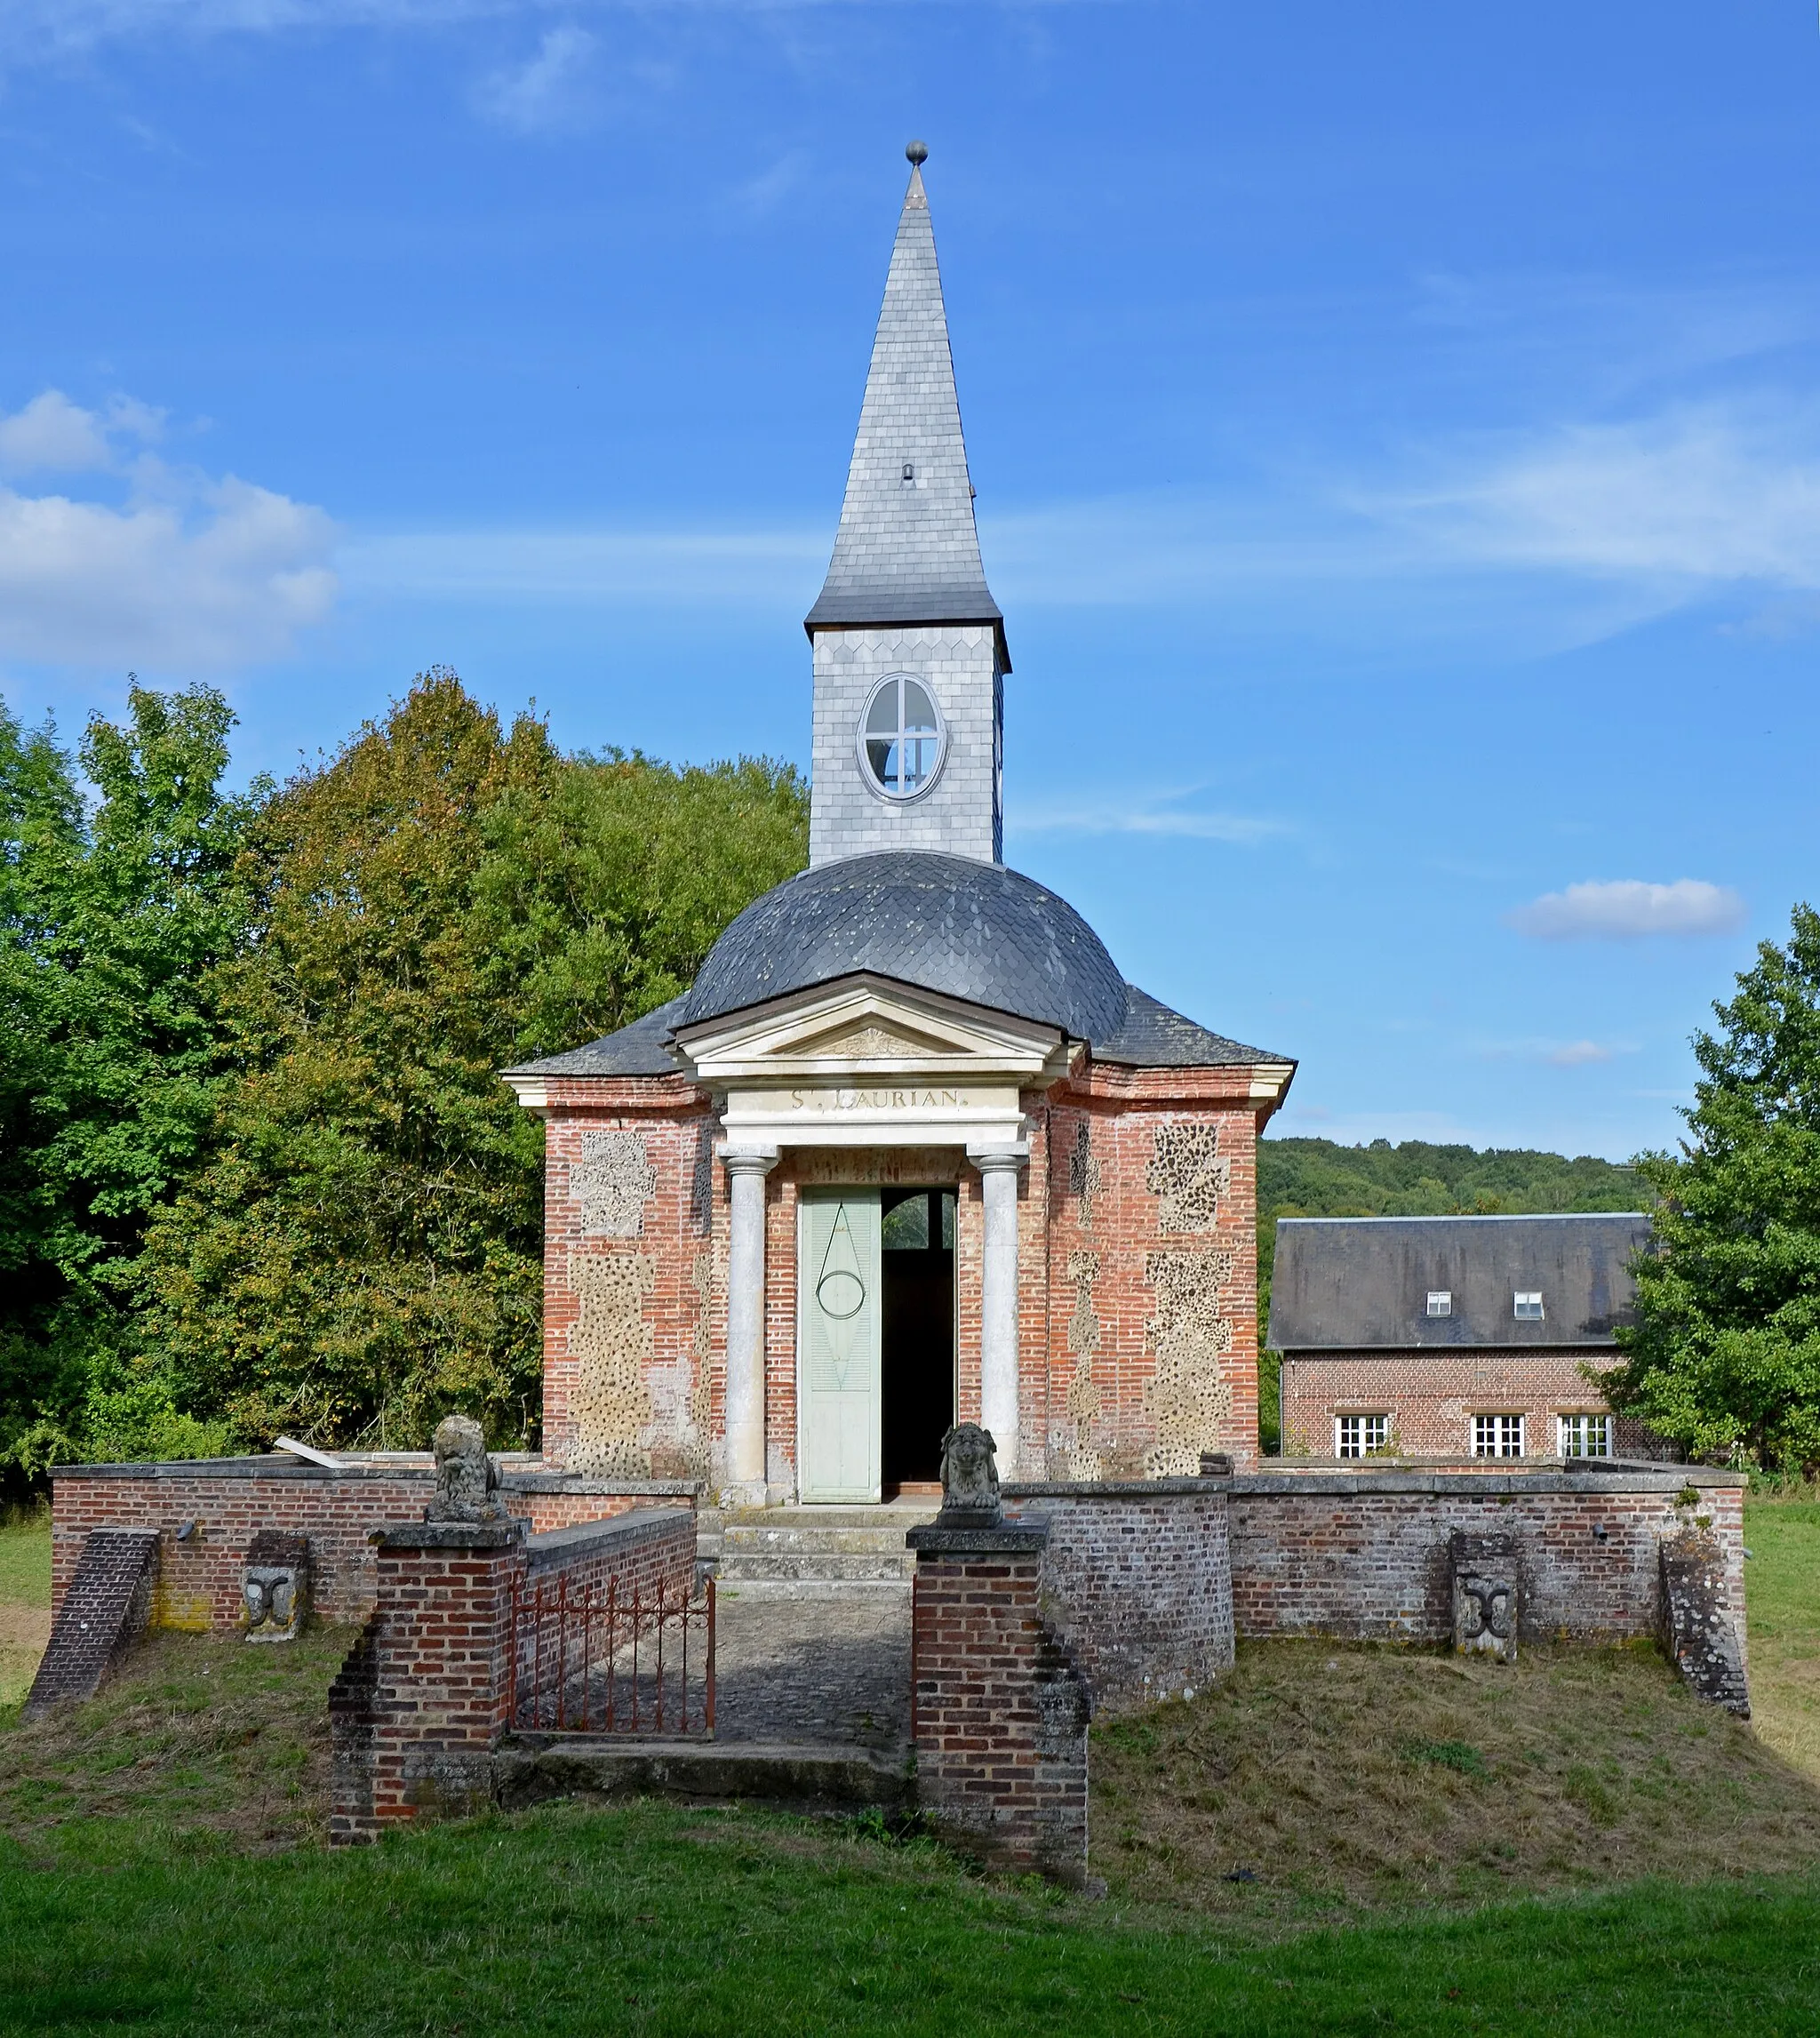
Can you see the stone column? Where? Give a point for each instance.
(747, 1169)
(998, 1301)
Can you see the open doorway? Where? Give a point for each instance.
(916, 1238)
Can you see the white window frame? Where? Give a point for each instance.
(1571, 1433)
(1372, 1437)
(862, 735)
(1493, 1434)
(1441, 1301)
(1522, 1296)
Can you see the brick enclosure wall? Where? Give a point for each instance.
(1433, 1395)
(228, 1500)
(1365, 1556)
(999, 1712)
(423, 1698)
(1137, 1583)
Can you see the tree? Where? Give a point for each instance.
(363, 1247)
(1725, 1355)
(111, 922)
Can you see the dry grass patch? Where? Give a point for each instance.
(1781, 1590)
(1320, 1778)
(199, 1740)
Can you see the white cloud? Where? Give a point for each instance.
(189, 575)
(1627, 909)
(1154, 814)
(553, 92)
(1576, 1054)
(1693, 497)
(760, 569)
(52, 435)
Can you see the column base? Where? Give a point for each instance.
(744, 1493)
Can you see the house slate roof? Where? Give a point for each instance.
(1362, 1283)
(972, 931)
(907, 550)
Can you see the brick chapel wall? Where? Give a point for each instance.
(635, 1280)
(1364, 1556)
(1150, 1347)
(1432, 1395)
(226, 1501)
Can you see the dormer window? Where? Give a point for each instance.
(1441, 1301)
(1529, 1305)
(901, 738)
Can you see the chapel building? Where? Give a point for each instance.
(911, 1150)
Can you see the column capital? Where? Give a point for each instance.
(748, 1160)
(995, 1160)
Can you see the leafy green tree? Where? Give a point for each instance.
(111, 922)
(442, 896)
(1725, 1357)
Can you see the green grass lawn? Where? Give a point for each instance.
(25, 1599)
(161, 1866)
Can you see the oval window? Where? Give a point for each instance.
(901, 738)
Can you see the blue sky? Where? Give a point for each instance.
(1397, 434)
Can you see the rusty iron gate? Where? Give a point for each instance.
(598, 1661)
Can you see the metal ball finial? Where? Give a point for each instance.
(918, 153)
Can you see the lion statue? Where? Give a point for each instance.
(970, 1475)
(466, 1478)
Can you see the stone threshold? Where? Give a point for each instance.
(817, 1778)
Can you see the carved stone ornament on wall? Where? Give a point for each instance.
(274, 1585)
(1188, 1402)
(1485, 1596)
(1188, 1172)
(612, 1343)
(611, 1181)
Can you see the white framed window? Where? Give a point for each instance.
(1584, 1435)
(1361, 1436)
(1498, 1436)
(1441, 1301)
(902, 738)
(1529, 1305)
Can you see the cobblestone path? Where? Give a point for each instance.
(813, 1669)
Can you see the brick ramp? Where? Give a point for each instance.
(816, 1780)
(106, 1607)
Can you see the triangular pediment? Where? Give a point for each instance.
(865, 1028)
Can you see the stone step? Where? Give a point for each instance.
(873, 1591)
(755, 1539)
(817, 1778)
(834, 1566)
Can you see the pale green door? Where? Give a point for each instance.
(838, 1282)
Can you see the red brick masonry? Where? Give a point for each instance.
(420, 1703)
(1000, 1713)
(205, 1513)
(1364, 1554)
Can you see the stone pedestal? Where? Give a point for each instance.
(1000, 1713)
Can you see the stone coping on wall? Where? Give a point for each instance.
(552, 1544)
(1012, 1539)
(521, 1478)
(448, 1534)
(1112, 1488)
(1612, 1476)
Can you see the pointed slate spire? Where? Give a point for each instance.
(907, 550)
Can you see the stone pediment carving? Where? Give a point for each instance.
(875, 1040)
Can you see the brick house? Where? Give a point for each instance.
(1452, 1337)
(911, 1149)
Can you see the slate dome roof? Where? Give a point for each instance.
(975, 931)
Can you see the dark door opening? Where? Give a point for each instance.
(917, 1345)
